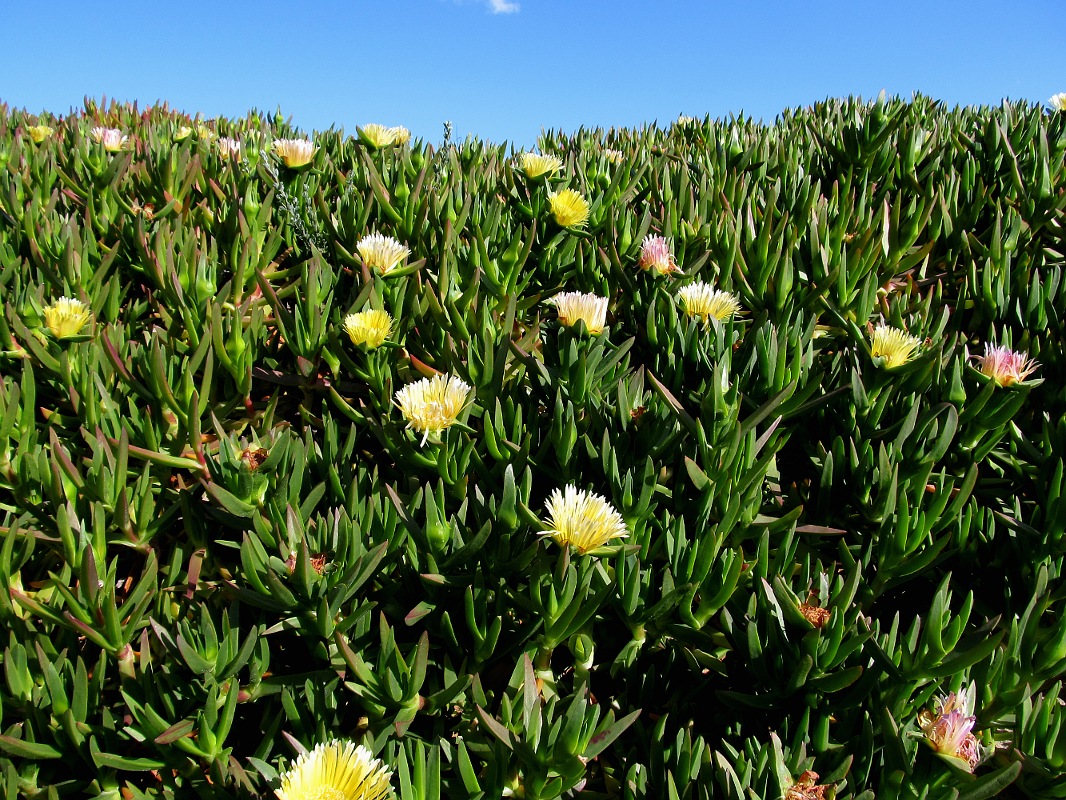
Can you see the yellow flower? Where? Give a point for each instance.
(369, 328)
(895, 346)
(655, 254)
(183, 133)
(614, 156)
(704, 301)
(579, 306)
(1005, 366)
(337, 770)
(400, 134)
(228, 147)
(39, 132)
(1058, 101)
(378, 136)
(534, 164)
(112, 139)
(569, 208)
(433, 404)
(583, 520)
(948, 728)
(66, 317)
(294, 152)
(381, 252)
(204, 132)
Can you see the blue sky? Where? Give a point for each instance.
(505, 69)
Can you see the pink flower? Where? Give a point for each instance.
(655, 254)
(948, 730)
(1005, 366)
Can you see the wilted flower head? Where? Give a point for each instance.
(229, 147)
(66, 317)
(893, 345)
(1058, 101)
(947, 728)
(39, 132)
(1005, 366)
(337, 770)
(433, 404)
(112, 139)
(569, 208)
(588, 308)
(583, 520)
(294, 152)
(704, 301)
(536, 164)
(369, 328)
(381, 252)
(655, 254)
(378, 136)
(805, 788)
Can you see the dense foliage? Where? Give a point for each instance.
(223, 544)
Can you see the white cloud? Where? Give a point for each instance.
(503, 6)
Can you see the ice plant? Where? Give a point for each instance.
(1058, 101)
(229, 147)
(378, 136)
(39, 132)
(701, 300)
(294, 152)
(183, 133)
(368, 328)
(614, 156)
(805, 788)
(381, 252)
(569, 208)
(433, 404)
(112, 139)
(337, 770)
(655, 254)
(535, 164)
(948, 727)
(400, 134)
(582, 520)
(579, 306)
(66, 317)
(1005, 366)
(896, 347)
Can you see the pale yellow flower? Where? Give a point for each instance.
(1058, 101)
(569, 208)
(655, 254)
(895, 346)
(112, 139)
(368, 328)
(66, 317)
(1005, 366)
(183, 133)
(39, 132)
(381, 252)
(614, 156)
(583, 520)
(685, 122)
(703, 301)
(228, 147)
(579, 306)
(337, 770)
(948, 727)
(433, 404)
(295, 152)
(534, 164)
(400, 134)
(378, 136)
(204, 132)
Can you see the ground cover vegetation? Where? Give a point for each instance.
(709, 460)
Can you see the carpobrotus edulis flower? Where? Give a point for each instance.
(896, 347)
(433, 404)
(614, 156)
(381, 252)
(66, 317)
(1005, 366)
(294, 152)
(569, 208)
(39, 132)
(368, 328)
(806, 788)
(228, 147)
(948, 730)
(582, 520)
(1058, 101)
(655, 254)
(534, 165)
(400, 134)
(702, 301)
(580, 306)
(112, 139)
(378, 136)
(337, 770)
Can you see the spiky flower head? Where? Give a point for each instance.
(337, 770)
(573, 307)
(569, 208)
(400, 134)
(433, 404)
(368, 328)
(655, 254)
(66, 317)
(294, 152)
(228, 147)
(583, 520)
(948, 729)
(205, 133)
(614, 156)
(895, 346)
(378, 136)
(1005, 366)
(112, 139)
(381, 252)
(702, 301)
(536, 164)
(684, 121)
(39, 132)
(1058, 101)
